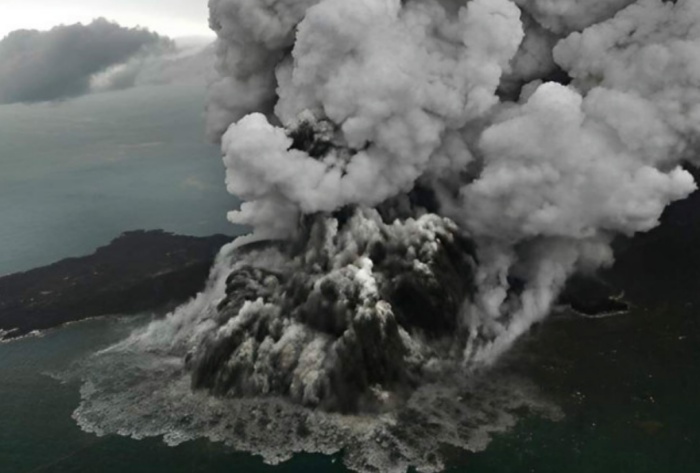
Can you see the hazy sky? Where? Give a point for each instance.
(170, 17)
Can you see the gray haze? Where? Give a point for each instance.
(174, 18)
(192, 64)
(60, 63)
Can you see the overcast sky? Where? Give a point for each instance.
(175, 18)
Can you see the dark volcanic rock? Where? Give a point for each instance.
(138, 271)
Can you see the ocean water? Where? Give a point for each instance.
(37, 433)
(76, 174)
(630, 405)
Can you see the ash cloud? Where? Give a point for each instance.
(421, 178)
(38, 66)
(409, 94)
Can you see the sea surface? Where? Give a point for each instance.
(76, 174)
(38, 434)
(630, 397)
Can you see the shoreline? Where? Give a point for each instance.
(136, 272)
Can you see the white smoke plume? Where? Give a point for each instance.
(392, 80)
(421, 178)
(407, 92)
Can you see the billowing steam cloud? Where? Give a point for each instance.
(57, 64)
(405, 94)
(421, 178)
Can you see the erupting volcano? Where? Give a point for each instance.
(421, 178)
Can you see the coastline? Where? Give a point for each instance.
(136, 272)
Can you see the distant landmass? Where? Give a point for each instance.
(138, 271)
